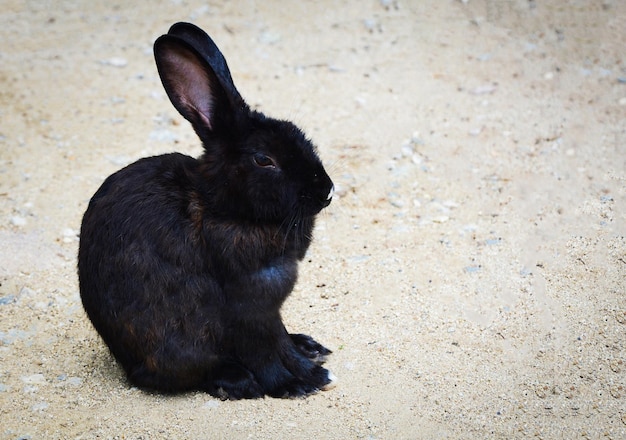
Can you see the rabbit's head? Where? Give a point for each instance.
(256, 167)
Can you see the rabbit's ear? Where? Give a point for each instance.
(208, 50)
(192, 84)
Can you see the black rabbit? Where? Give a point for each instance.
(184, 263)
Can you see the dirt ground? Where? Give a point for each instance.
(470, 276)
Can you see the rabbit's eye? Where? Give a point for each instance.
(264, 161)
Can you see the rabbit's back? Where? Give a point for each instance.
(146, 283)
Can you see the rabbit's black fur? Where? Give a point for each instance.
(184, 263)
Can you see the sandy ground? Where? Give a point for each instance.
(471, 274)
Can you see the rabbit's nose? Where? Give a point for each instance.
(329, 197)
(331, 193)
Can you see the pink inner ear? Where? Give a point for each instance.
(191, 85)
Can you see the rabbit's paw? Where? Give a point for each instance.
(232, 382)
(318, 379)
(310, 348)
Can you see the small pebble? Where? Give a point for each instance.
(69, 235)
(7, 300)
(371, 24)
(397, 203)
(119, 160)
(202, 10)
(115, 62)
(40, 406)
(269, 37)
(540, 391)
(492, 241)
(416, 138)
(616, 391)
(34, 379)
(12, 335)
(360, 101)
(211, 404)
(407, 151)
(395, 200)
(358, 258)
(416, 159)
(18, 221)
(75, 381)
(616, 365)
(485, 89)
(163, 135)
